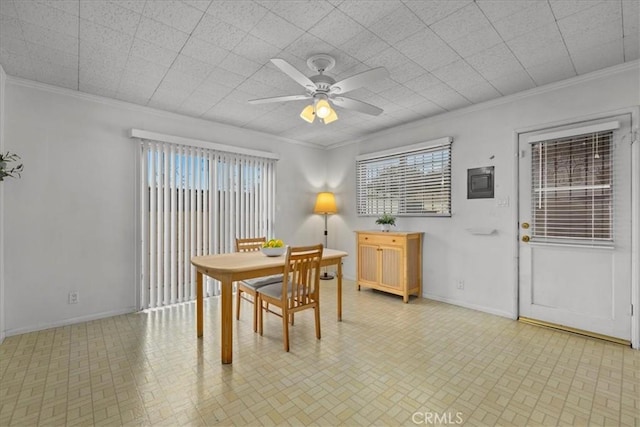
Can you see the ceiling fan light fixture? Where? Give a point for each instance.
(323, 109)
(331, 117)
(322, 89)
(308, 114)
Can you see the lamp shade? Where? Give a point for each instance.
(308, 114)
(325, 204)
(323, 109)
(332, 117)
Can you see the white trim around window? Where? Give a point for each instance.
(172, 139)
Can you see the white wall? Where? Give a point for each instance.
(70, 220)
(3, 79)
(487, 264)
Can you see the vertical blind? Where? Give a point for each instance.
(196, 201)
(411, 183)
(572, 194)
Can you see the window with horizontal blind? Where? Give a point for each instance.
(412, 181)
(572, 189)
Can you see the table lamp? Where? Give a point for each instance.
(325, 205)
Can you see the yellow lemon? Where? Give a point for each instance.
(279, 243)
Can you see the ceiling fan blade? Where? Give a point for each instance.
(363, 79)
(293, 72)
(279, 99)
(354, 104)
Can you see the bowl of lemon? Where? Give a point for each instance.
(274, 247)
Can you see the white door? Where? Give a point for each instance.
(575, 226)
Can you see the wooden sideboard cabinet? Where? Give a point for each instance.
(390, 262)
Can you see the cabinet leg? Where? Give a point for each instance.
(358, 287)
(405, 298)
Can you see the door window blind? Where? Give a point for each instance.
(572, 189)
(410, 183)
(196, 201)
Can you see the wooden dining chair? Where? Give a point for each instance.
(299, 289)
(251, 286)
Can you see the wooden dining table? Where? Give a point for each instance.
(232, 267)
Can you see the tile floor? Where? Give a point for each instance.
(387, 363)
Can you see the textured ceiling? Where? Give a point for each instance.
(206, 58)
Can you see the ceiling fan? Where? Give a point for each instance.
(324, 90)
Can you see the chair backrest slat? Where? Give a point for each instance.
(302, 275)
(251, 244)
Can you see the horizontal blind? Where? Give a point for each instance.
(572, 189)
(196, 202)
(412, 183)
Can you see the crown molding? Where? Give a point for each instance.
(594, 75)
(18, 81)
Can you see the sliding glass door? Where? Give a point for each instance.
(194, 202)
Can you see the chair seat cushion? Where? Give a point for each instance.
(274, 290)
(259, 282)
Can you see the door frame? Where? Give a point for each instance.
(634, 112)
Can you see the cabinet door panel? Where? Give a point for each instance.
(392, 267)
(368, 264)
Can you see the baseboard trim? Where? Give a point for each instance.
(558, 327)
(71, 321)
(484, 309)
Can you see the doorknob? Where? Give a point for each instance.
(525, 225)
(525, 238)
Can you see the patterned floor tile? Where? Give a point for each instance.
(387, 363)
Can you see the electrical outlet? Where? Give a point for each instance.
(460, 284)
(74, 297)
